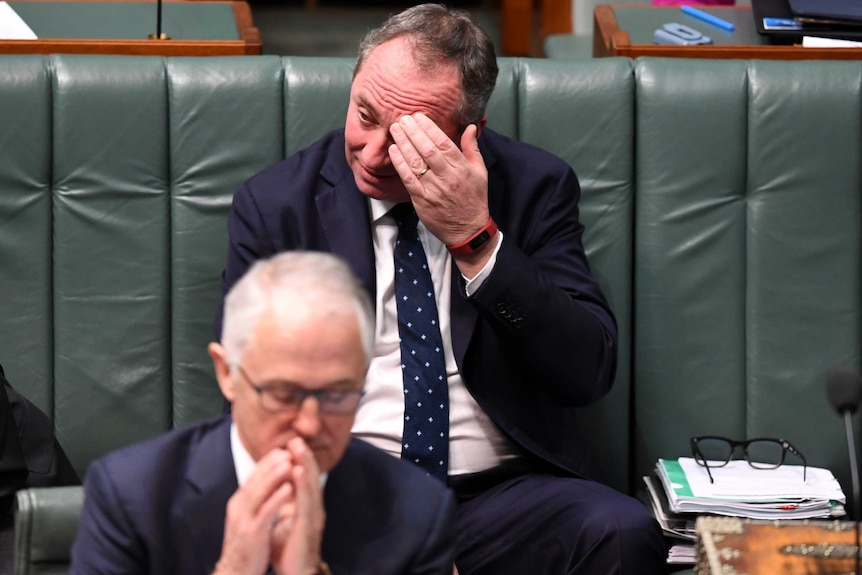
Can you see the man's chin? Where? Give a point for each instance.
(326, 460)
(388, 189)
(328, 456)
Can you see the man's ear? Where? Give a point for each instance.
(481, 124)
(222, 370)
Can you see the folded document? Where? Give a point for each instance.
(741, 490)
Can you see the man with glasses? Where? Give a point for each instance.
(277, 485)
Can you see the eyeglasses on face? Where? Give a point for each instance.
(760, 453)
(282, 397)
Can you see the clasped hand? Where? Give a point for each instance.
(451, 197)
(276, 518)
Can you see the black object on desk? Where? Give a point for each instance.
(781, 9)
(827, 11)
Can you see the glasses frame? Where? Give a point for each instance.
(299, 396)
(786, 447)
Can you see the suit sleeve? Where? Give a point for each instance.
(437, 556)
(106, 542)
(13, 466)
(544, 308)
(248, 242)
(30, 455)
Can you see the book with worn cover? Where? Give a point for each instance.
(732, 545)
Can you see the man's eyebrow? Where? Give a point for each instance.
(286, 383)
(366, 104)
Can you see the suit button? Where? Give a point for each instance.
(503, 310)
(511, 312)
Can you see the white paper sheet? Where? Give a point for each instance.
(744, 491)
(814, 42)
(12, 27)
(738, 480)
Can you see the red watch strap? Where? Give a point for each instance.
(476, 241)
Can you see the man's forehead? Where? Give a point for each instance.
(396, 59)
(406, 88)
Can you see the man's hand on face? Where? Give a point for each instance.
(251, 512)
(298, 532)
(451, 198)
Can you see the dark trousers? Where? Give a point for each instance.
(515, 520)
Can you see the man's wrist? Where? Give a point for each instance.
(475, 242)
(323, 569)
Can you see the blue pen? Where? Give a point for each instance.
(715, 21)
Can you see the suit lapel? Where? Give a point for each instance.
(355, 519)
(462, 318)
(209, 483)
(343, 212)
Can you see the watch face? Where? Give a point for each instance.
(479, 240)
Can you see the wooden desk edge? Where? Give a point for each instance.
(609, 40)
(795, 52)
(128, 47)
(249, 43)
(248, 32)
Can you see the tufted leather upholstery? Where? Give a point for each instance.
(748, 252)
(116, 187)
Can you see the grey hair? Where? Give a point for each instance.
(315, 281)
(439, 35)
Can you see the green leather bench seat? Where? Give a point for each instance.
(117, 182)
(747, 252)
(721, 199)
(46, 523)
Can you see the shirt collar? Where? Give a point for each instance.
(378, 209)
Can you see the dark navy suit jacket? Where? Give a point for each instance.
(158, 507)
(535, 341)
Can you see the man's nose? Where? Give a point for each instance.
(307, 421)
(376, 149)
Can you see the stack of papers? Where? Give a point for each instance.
(742, 491)
(679, 528)
(679, 490)
(675, 525)
(817, 42)
(681, 554)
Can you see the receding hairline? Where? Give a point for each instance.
(436, 34)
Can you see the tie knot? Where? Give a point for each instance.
(404, 215)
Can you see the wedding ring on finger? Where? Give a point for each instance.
(422, 173)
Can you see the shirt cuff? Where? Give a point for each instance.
(473, 284)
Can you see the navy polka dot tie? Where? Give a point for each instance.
(423, 368)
